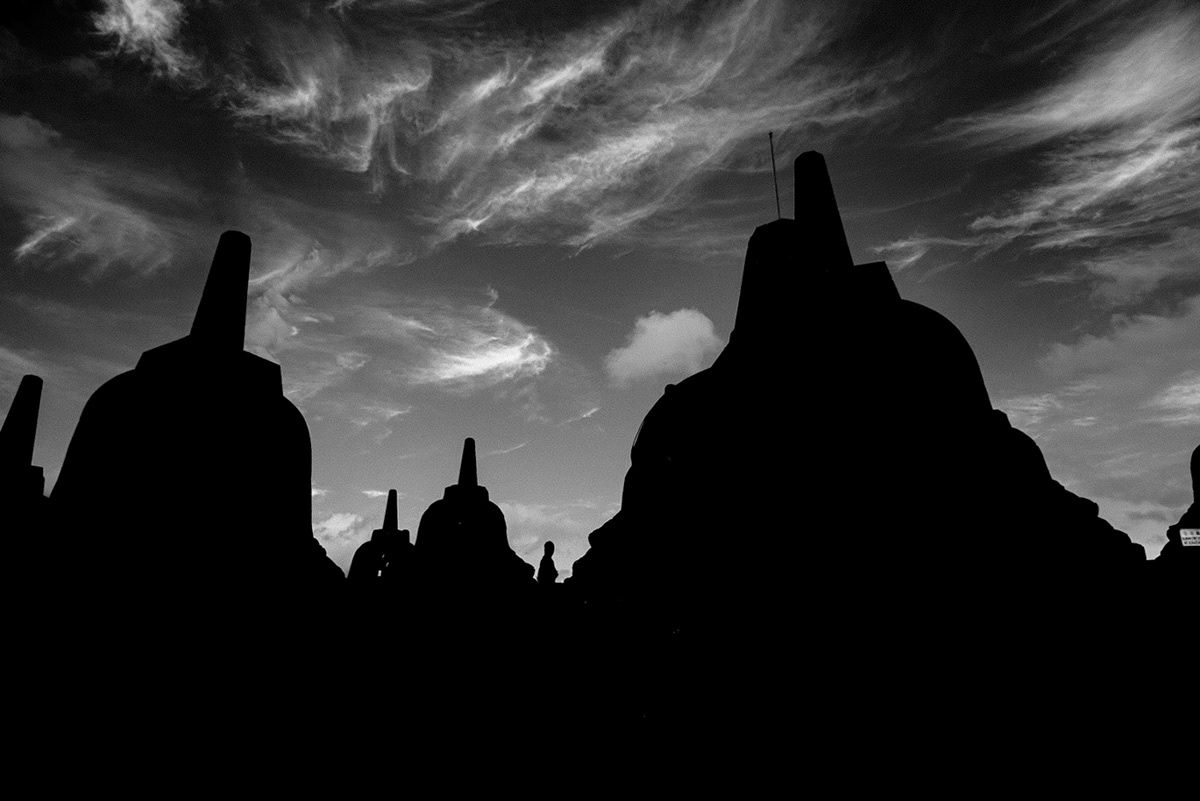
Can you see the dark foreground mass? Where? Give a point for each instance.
(971, 595)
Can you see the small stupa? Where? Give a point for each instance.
(387, 557)
(462, 540)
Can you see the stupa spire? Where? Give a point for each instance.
(220, 322)
(20, 425)
(467, 475)
(816, 209)
(389, 516)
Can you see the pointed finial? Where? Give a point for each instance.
(20, 425)
(820, 223)
(220, 322)
(389, 516)
(467, 476)
(774, 175)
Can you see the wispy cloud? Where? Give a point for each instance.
(148, 28)
(1028, 411)
(462, 348)
(584, 415)
(503, 451)
(675, 343)
(371, 413)
(1147, 77)
(79, 209)
(1118, 140)
(366, 359)
(1115, 424)
(904, 253)
(14, 365)
(1138, 356)
(592, 137)
(1178, 404)
(573, 136)
(1124, 275)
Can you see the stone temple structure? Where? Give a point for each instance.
(462, 544)
(1178, 562)
(186, 487)
(385, 560)
(21, 482)
(837, 477)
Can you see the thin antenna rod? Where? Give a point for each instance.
(774, 175)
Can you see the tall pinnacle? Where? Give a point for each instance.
(467, 476)
(220, 323)
(817, 215)
(20, 426)
(389, 516)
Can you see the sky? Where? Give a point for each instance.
(517, 220)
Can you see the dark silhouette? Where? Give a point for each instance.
(21, 482)
(1179, 563)
(547, 574)
(210, 466)
(462, 544)
(387, 558)
(831, 523)
(903, 513)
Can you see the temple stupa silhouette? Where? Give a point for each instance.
(838, 471)
(462, 541)
(206, 468)
(385, 560)
(21, 482)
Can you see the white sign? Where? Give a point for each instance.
(1190, 536)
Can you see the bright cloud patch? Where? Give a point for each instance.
(148, 28)
(675, 343)
(337, 525)
(1028, 411)
(341, 534)
(1179, 404)
(463, 348)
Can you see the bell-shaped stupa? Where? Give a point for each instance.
(462, 540)
(838, 475)
(385, 560)
(209, 465)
